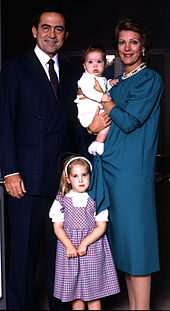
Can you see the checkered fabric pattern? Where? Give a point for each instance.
(89, 277)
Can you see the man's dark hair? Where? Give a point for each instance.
(50, 8)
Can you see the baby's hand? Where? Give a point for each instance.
(82, 249)
(106, 98)
(71, 252)
(113, 82)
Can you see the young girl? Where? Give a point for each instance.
(85, 270)
(94, 63)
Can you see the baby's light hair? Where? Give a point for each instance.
(65, 187)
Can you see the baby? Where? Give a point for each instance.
(94, 63)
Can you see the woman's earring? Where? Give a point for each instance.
(143, 53)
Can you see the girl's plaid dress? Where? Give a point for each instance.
(87, 277)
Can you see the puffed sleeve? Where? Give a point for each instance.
(55, 212)
(144, 94)
(102, 216)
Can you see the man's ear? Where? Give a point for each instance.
(66, 35)
(34, 32)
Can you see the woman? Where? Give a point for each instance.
(123, 176)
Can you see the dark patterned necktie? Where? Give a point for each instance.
(53, 77)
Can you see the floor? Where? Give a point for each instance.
(160, 293)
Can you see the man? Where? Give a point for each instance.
(37, 127)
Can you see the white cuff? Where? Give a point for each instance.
(11, 174)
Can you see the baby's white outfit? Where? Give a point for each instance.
(87, 107)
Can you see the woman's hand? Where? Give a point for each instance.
(79, 92)
(100, 121)
(106, 105)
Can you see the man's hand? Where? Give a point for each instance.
(15, 186)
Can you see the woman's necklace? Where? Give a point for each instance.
(133, 72)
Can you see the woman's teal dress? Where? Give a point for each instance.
(123, 176)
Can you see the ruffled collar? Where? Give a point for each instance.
(73, 194)
(79, 199)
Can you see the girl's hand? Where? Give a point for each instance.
(71, 252)
(82, 249)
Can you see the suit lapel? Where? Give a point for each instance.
(55, 107)
(44, 86)
(41, 79)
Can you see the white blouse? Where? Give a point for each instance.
(79, 199)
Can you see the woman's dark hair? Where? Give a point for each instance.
(136, 25)
(50, 8)
(94, 48)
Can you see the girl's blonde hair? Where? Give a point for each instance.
(65, 187)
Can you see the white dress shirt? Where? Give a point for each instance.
(44, 58)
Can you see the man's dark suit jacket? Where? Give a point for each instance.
(35, 128)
